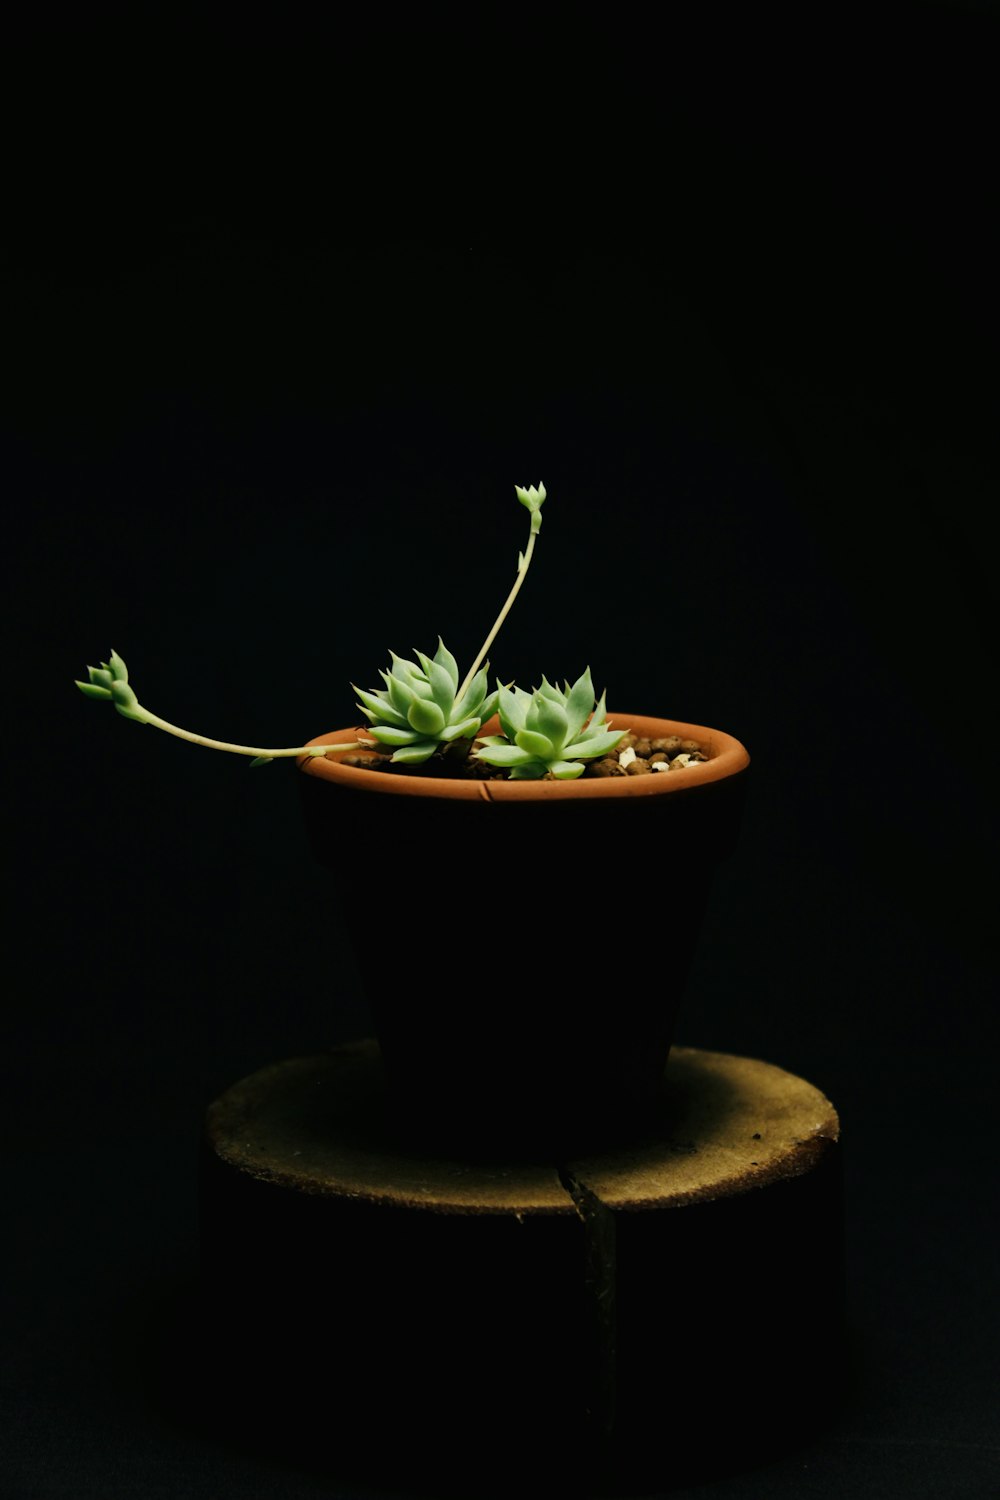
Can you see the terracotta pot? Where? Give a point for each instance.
(524, 945)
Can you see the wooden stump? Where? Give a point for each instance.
(667, 1310)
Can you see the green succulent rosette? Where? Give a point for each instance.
(416, 711)
(551, 731)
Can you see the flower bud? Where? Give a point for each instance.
(531, 497)
(116, 667)
(123, 696)
(93, 690)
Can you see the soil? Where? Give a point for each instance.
(633, 756)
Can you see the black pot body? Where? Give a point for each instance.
(523, 961)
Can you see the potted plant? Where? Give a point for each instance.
(492, 851)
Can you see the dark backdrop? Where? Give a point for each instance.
(291, 304)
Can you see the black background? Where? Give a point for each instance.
(292, 301)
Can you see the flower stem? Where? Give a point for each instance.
(521, 573)
(252, 750)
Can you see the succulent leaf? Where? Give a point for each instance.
(513, 706)
(537, 745)
(378, 710)
(488, 707)
(426, 716)
(599, 744)
(400, 694)
(389, 734)
(474, 701)
(566, 770)
(463, 730)
(409, 675)
(415, 755)
(505, 754)
(441, 686)
(579, 703)
(444, 658)
(548, 717)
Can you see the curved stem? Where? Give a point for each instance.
(201, 739)
(521, 573)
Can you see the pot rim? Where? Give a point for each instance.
(727, 758)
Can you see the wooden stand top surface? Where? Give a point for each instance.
(317, 1125)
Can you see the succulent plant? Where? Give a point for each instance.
(423, 707)
(418, 710)
(551, 731)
